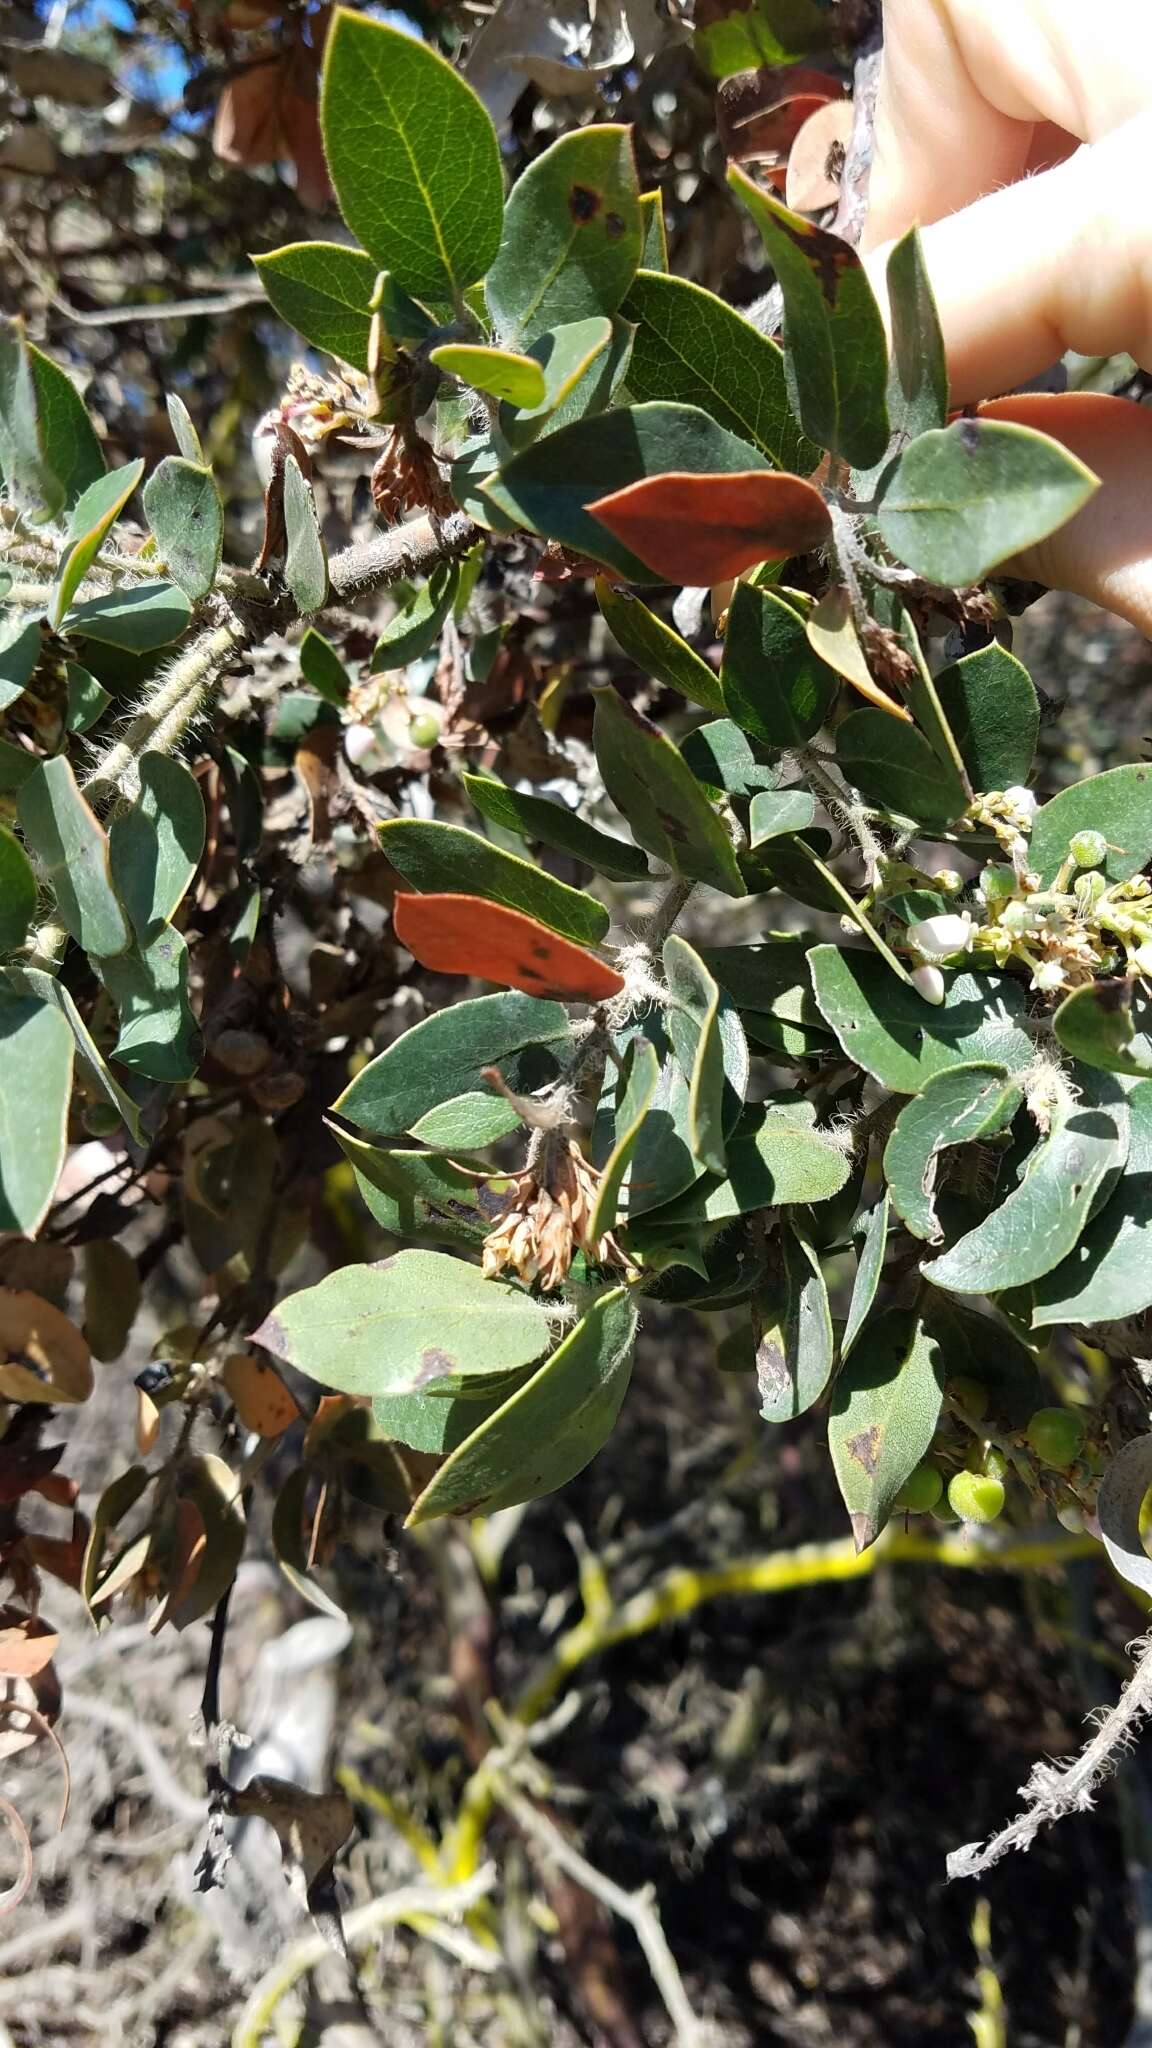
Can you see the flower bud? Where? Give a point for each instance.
(1088, 849)
(948, 881)
(1022, 800)
(939, 937)
(929, 983)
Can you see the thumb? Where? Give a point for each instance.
(1105, 551)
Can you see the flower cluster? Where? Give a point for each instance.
(548, 1218)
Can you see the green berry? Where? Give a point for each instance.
(100, 1119)
(1088, 848)
(942, 1512)
(975, 1496)
(424, 730)
(921, 1490)
(971, 1396)
(993, 1462)
(1056, 1435)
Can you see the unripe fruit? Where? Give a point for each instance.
(942, 1512)
(424, 730)
(1056, 1435)
(993, 1462)
(920, 1491)
(971, 1396)
(1088, 848)
(100, 1119)
(975, 1497)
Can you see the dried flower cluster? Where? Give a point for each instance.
(549, 1219)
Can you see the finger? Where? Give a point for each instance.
(1059, 261)
(964, 80)
(1105, 552)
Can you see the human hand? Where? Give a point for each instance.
(1019, 134)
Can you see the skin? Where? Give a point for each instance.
(1018, 133)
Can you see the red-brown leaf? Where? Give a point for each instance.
(700, 529)
(468, 935)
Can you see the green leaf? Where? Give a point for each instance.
(656, 648)
(21, 645)
(445, 1056)
(924, 702)
(656, 791)
(1039, 1222)
(720, 757)
(32, 484)
(565, 355)
(159, 1035)
(1108, 1024)
(918, 377)
(779, 811)
(991, 706)
(654, 254)
(413, 157)
(17, 892)
(421, 1195)
(572, 235)
(774, 683)
(663, 1164)
(843, 900)
(187, 439)
(796, 1347)
(87, 699)
(742, 35)
(183, 509)
(464, 1123)
(1108, 1275)
(691, 347)
(36, 1054)
(324, 290)
(548, 486)
(963, 498)
(836, 357)
(93, 516)
(411, 1322)
(72, 848)
(639, 1089)
(417, 624)
(869, 1268)
(435, 1423)
(48, 988)
(140, 618)
(305, 562)
(67, 435)
(155, 845)
(694, 1025)
(895, 768)
(1117, 803)
(550, 1428)
(884, 1415)
(553, 824)
(954, 1107)
(773, 1161)
(887, 1029)
(770, 980)
(321, 666)
(502, 372)
(433, 858)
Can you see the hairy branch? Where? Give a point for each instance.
(1055, 1790)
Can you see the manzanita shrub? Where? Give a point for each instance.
(890, 1009)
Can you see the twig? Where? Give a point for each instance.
(243, 294)
(1055, 1790)
(637, 1908)
(425, 1908)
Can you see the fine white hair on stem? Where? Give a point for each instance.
(1054, 1790)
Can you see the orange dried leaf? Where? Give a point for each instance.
(27, 1643)
(700, 529)
(258, 1394)
(468, 935)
